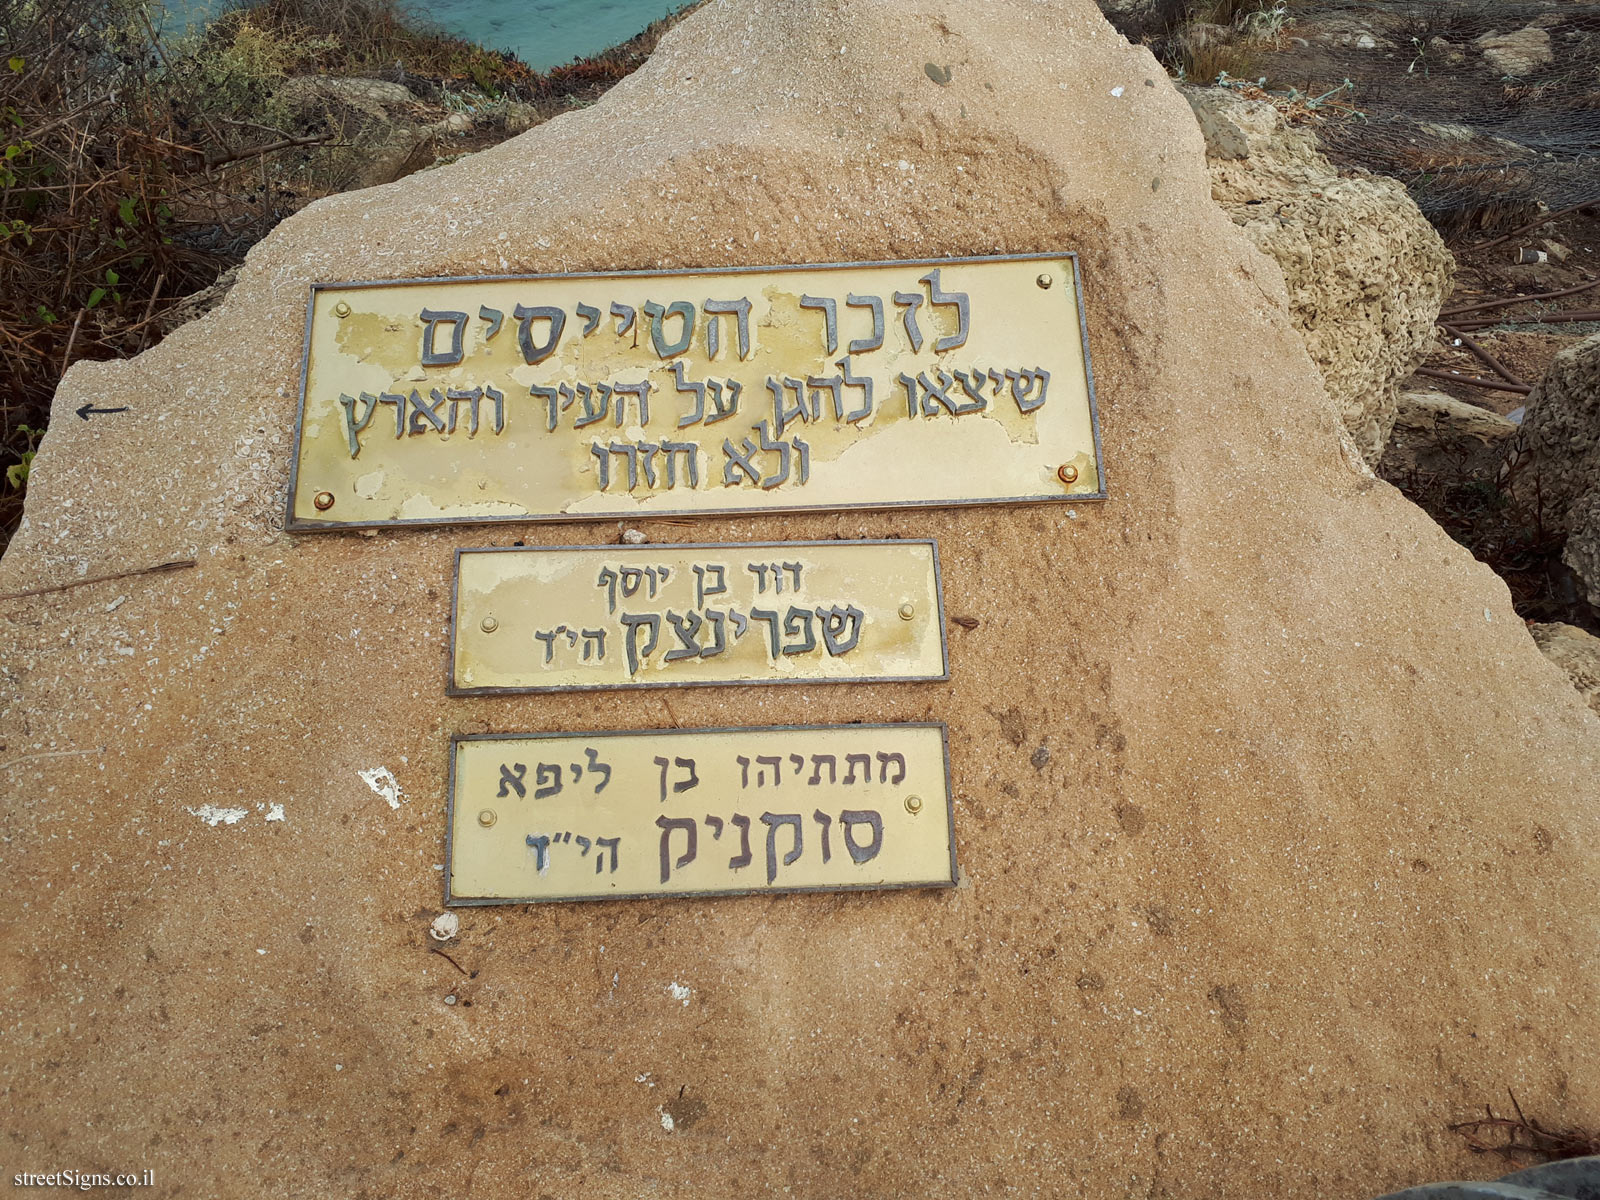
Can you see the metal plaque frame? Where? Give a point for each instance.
(452, 901)
(938, 591)
(294, 525)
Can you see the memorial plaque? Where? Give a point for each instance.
(553, 618)
(701, 812)
(568, 397)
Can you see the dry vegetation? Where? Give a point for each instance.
(136, 169)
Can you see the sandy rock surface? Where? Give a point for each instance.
(1250, 903)
(1438, 433)
(1365, 271)
(1558, 451)
(1577, 652)
(1516, 53)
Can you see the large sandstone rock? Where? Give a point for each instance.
(1366, 273)
(1555, 460)
(1250, 903)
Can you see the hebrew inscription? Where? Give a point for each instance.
(565, 397)
(698, 812)
(558, 618)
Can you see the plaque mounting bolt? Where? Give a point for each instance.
(907, 611)
(1044, 281)
(913, 805)
(323, 501)
(341, 309)
(1067, 473)
(486, 818)
(488, 624)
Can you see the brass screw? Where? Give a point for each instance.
(488, 624)
(1067, 473)
(1044, 281)
(913, 805)
(486, 818)
(341, 309)
(323, 501)
(907, 611)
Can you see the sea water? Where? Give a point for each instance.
(547, 33)
(543, 33)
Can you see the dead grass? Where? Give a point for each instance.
(1206, 62)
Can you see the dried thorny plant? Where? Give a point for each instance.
(1520, 1137)
(135, 169)
(126, 183)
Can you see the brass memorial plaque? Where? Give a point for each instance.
(554, 618)
(573, 397)
(701, 812)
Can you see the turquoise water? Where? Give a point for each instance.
(543, 33)
(547, 33)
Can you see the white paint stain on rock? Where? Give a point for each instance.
(445, 926)
(382, 781)
(680, 992)
(667, 1122)
(274, 812)
(214, 816)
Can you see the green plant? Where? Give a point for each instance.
(17, 472)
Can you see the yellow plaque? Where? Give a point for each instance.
(575, 397)
(698, 812)
(553, 618)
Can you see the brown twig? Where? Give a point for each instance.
(150, 308)
(450, 960)
(1495, 385)
(1524, 1136)
(35, 134)
(175, 565)
(1531, 225)
(1493, 363)
(234, 156)
(1486, 304)
(66, 359)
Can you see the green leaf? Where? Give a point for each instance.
(16, 63)
(112, 277)
(13, 151)
(17, 473)
(125, 211)
(45, 315)
(95, 297)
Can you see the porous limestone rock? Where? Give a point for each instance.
(1366, 273)
(1577, 652)
(1516, 53)
(1556, 456)
(1249, 903)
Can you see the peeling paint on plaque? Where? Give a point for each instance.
(958, 381)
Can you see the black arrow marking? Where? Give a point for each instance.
(89, 409)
